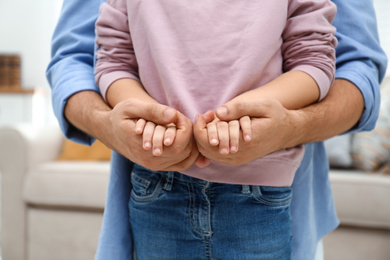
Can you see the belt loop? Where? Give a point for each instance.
(246, 189)
(169, 181)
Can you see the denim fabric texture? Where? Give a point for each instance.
(174, 216)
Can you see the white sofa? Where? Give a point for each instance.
(52, 210)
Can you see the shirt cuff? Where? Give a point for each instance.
(368, 85)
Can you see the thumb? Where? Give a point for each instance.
(182, 122)
(157, 113)
(235, 109)
(201, 121)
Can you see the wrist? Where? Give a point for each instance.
(87, 111)
(295, 129)
(337, 113)
(98, 123)
(126, 88)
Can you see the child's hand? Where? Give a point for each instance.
(155, 136)
(227, 134)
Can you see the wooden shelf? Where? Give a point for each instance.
(8, 90)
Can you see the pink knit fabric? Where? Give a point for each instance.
(197, 55)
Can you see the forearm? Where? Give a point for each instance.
(123, 89)
(293, 89)
(336, 114)
(87, 111)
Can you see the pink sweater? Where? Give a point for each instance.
(197, 55)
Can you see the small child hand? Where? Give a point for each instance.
(246, 127)
(227, 134)
(155, 136)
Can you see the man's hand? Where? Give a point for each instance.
(178, 156)
(116, 129)
(272, 125)
(275, 128)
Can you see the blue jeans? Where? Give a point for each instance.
(174, 216)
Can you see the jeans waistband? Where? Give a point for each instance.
(173, 175)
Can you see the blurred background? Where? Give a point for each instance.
(26, 28)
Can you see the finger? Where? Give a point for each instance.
(200, 134)
(158, 137)
(148, 135)
(140, 125)
(246, 127)
(183, 132)
(200, 125)
(188, 162)
(235, 109)
(212, 133)
(157, 113)
(202, 161)
(234, 134)
(223, 135)
(169, 135)
(209, 116)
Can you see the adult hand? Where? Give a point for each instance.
(272, 126)
(119, 134)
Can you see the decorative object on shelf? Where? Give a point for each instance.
(10, 71)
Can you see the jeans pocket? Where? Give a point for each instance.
(146, 184)
(272, 196)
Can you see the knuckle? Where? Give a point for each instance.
(222, 124)
(151, 109)
(245, 119)
(234, 123)
(210, 125)
(240, 107)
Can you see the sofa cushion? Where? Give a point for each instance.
(371, 150)
(338, 150)
(68, 184)
(361, 199)
(72, 151)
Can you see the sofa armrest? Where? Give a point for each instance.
(36, 144)
(361, 199)
(21, 148)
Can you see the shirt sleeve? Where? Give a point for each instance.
(72, 58)
(115, 55)
(360, 59)
(309, 41)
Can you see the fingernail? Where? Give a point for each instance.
(248, 138)
(157, 151)
(147, 145)
(167, 141)
(138, 130)
(224, 151)
(222, 111)
(214, 141)
(233, 148)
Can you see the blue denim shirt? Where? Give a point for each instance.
(359, 60)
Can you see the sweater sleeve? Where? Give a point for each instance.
(115, 54)
(309, 41)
